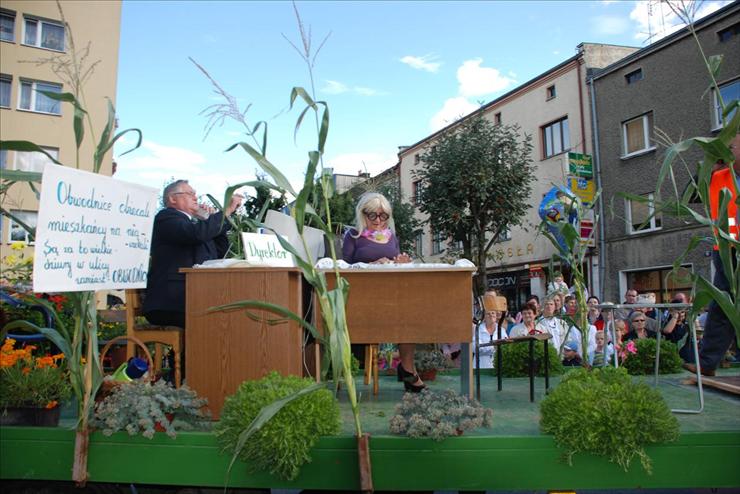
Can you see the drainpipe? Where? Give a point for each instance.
(597, 173)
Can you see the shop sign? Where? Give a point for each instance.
(584, 188)
(502, 281)
(580, 165)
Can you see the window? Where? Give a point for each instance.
(641, 216)
(416, 189)
(5, 83)
(16, 232)
(7, 25)
(33, 161)
(31, 99)
(634, 76)
(419, 245)
(728, 33)
(3, 159)
(504, 235)
(44, 34)
(497, 118)
(437, 243)
(417, 159)
(636, 135)
(729, 92)
(556, 137)
(550, 91)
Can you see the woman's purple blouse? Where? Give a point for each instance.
(363, 250)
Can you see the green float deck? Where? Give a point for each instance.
(511, 455)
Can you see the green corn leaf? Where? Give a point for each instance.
(269, 168)
(302, 199)
(25, 146)
(269, 307)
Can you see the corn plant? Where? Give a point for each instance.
(332, 302)
(681, 203)
(79, 343)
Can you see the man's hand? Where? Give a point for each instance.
(234, 204)
(402, 258)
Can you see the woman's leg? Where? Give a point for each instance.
(406, 351)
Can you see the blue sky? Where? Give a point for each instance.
(391, 72)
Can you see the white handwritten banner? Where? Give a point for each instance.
(265, 250)
(93, 232)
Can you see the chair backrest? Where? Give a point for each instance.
(133, 309)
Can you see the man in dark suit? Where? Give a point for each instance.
(185, 233)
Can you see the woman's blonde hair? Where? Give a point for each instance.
(370, 202)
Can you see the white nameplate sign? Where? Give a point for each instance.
(265, 250)
(93, 232)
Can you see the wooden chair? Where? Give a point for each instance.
(371, 366)
(171, 336)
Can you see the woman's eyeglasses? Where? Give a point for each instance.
(374, 216)
(639, 320)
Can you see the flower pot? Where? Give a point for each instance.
(428, 375)
(30, 416)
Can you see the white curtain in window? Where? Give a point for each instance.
(31, 27)
(52, 36)
(34, 162)
(5, 92)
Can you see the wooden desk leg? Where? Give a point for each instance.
(531, 371)
(547, 365)
(376, 384)
(368, 362)
(466, 371)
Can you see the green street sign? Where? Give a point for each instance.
(580, 165)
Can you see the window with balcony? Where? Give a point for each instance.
(729, 92)
(32, 99)
(556, 137)
(641, 216)
(16, 233)
(7, 25)
(5, 84)
(43, 34)
(34, 161)
(636, 135)
(416, 188)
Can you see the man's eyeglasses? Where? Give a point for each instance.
(374, 216)
(639, 320)
(186, 193)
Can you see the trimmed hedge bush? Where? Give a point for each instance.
(283, 444)
(643, 362)
(515, 360)
(605, 413)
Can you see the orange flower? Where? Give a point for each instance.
(51, 404)
(26, 370)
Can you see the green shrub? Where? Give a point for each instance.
(643, 362)
(604, 413)
(283, 444)
(515, 360)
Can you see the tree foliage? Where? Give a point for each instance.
(475, 184)
(253, 204)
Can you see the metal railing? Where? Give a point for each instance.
(691, 320)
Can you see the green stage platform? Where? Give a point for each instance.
(512, 455)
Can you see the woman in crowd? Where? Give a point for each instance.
(550, 323)
(373, 240)
(493, 327)
(527, 326)
(638, 327)
(594, 314)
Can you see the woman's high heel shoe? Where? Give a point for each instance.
(409, 378)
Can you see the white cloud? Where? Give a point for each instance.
(609, 25)
(334, 87)
(365, 91)
(452, 110)
(556, 52)
(352, 163)
(656, 21)
(478, 81)
(422, 63)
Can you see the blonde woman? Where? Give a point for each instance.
(373, 240)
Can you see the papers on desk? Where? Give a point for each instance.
(328, 263)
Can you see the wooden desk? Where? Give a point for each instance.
(223, 349)
(411, 306)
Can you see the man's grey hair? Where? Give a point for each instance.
(171, 189)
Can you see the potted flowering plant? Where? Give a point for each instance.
(428, 362)
(31, 387)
